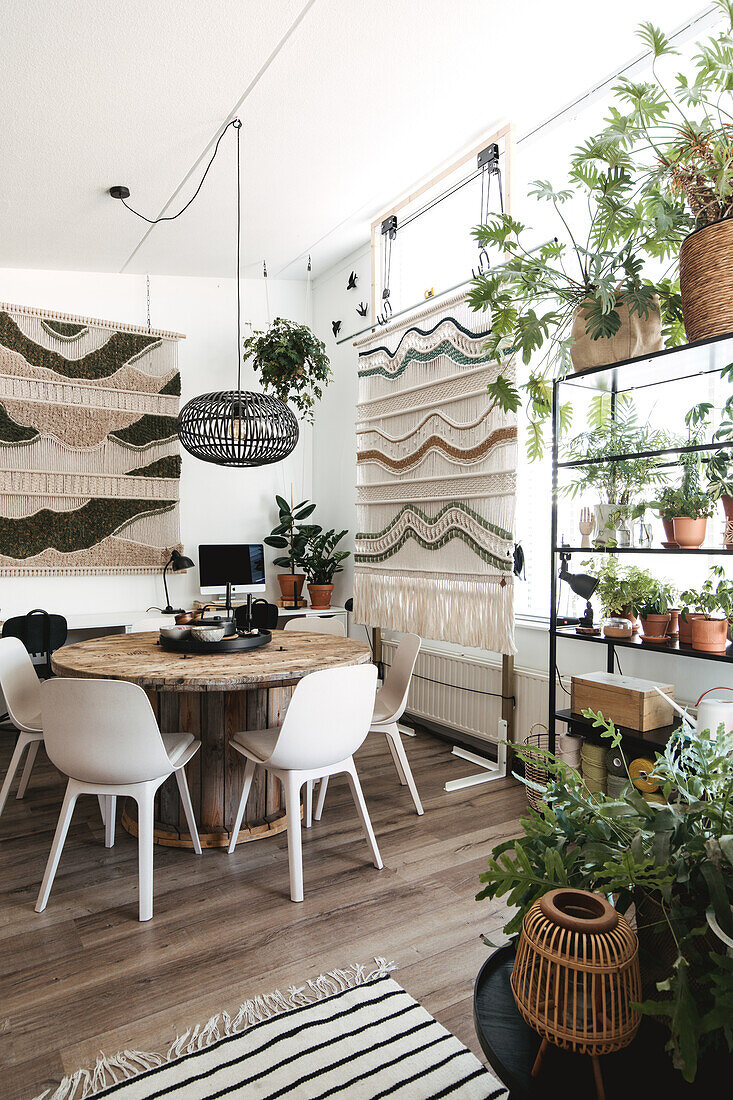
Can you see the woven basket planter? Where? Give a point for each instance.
(706, 280)
(535, 767)
(576, 975)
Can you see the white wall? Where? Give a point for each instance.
(217, 504)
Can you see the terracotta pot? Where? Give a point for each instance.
(728, 509)
(288, 581)
(320, 596)
(706, 280)
(655, 626)
(710, 635)
(690, 533)
(668, 525)
(673, 629)
(636, 336)
(686, 627)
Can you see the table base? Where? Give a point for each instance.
(170, 837)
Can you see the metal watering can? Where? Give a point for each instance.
(712, 712)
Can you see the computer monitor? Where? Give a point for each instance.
(234, 568)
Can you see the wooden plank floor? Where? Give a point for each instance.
(86, 976)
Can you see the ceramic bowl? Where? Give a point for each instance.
(175, 632)
(207, 633)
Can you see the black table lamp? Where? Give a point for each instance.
(583, 585)
(177, 563)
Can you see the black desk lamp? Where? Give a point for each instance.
(582, 585)
(177, 563)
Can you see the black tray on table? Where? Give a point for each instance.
(238, 644)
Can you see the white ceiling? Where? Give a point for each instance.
(345, 103)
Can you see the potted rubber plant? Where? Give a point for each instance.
(675, 134)
(291, 534)
(291, 362)
(714, 603)
(321, 561)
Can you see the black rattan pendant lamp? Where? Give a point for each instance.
(236, 427)
(232, 427)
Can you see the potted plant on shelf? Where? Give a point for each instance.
(714, 603)
(291, 362)
(675, 134)
(720, 467)
(292, 535)
(617, 482)
(580, 299)
(621, 589)
(655, 611)
(672, 861)
(321, 561)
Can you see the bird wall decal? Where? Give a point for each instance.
(336, 326)
(362, 309)
(353, 280)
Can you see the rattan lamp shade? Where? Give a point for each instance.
(238, 428)
(576, 974)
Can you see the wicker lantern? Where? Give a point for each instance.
(238, 428)
(575, 975)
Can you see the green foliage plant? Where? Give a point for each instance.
(321, 560)
(291, 534)
(676, 856)
(292, 363)
(622, 588)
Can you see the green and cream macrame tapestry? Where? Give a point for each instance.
(88, 445)
(436, 483)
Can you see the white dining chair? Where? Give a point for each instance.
(103, 735)
(21, 690)
(325, 723)
(315, 624)
(389, 707)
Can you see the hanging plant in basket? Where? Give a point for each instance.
(292, 363)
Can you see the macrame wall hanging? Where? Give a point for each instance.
(436, 482)
(88, 445)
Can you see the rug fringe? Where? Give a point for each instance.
(127, 1064)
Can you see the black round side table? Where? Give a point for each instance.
(643, 1071)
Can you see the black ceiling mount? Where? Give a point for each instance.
(489, 157)
(119, 192)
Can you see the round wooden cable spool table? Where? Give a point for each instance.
(212, 697)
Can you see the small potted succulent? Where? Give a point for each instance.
(714, 603)
(291, 534)
(655, 611)
(321, 561)
(291, 362)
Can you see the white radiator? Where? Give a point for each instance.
(438, 692)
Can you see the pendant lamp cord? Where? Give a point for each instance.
(237, 124)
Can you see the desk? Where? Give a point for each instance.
(212, 697)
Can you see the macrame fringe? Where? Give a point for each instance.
(478, 612)
(128, 1064)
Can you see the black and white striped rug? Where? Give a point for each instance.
(366, 1041)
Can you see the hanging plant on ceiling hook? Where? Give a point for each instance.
(292, 363)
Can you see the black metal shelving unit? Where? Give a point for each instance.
(662, 368)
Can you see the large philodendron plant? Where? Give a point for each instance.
(596, 261)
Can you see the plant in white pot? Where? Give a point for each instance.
(291, 534)
(321, 561)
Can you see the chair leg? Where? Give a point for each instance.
(145, 827)
(308, 815)
(249, 771)
(188, 809)
(295, 847)
(29, 762)
(395, 759)
(321, 798)
(363, 813)
(395, 742)
(110, 815)
(67, 809)
(20, 745)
